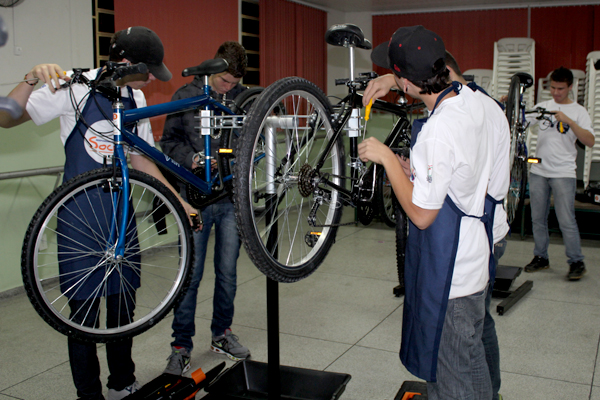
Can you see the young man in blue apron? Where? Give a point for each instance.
(135, 44)
(497, 189)
(448, 250)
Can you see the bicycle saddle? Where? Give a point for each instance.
(525, 78)
(208, 67)
(345, 35)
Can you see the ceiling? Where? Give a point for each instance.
(402, 6)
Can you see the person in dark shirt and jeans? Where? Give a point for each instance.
(182, 142)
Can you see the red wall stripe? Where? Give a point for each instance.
(292, 42)
(563, 35)
(191, 32)
(468, 35)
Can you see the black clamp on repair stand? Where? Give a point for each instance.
(270, 381)
(505, 276)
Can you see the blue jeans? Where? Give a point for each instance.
(462, 371)
(489, 337)
(83, 358)
(563, 190)
(227, 250)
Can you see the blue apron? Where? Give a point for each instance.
(81, 225)
(429, 265)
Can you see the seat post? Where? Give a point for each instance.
(351, 48)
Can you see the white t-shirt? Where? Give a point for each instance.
(44, 106)
(454, 156)
(500, 177)
(558, 150)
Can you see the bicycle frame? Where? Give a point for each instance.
(122, 136)
(354, 100)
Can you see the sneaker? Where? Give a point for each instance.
(179, 361)
(228, 344)
(576, 270)
(120, 394)
(537, 264)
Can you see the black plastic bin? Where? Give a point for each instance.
(248, 380)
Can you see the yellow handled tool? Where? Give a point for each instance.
(368, 110)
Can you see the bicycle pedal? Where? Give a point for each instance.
(311, 238)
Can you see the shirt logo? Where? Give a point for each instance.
(429, 173)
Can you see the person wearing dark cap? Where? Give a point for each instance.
(181, 142)
(447, 265)
(497, 190)
(82, 115)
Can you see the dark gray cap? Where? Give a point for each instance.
(139, 44)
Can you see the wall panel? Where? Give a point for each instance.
(292, 42)
(191, 32)
(567, 45)
(468, 35)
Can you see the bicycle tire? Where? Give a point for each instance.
(283, 195)
(241, 106)
(385, 198)
(401, 239)
(513, 202)
(159, 264)
(517, 168)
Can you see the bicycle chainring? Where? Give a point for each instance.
(196, 198)
(366, 213)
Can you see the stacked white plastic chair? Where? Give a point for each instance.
(512, 55)
(482, 77)
(592, 104)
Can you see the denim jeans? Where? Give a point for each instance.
(83, 358)
(489, 337)
(563, 190)
(462, 371)
(227, 250)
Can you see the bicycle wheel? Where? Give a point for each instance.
(385, 198)
(287, 212)
(513, 112)
(518, 168)
(70, 271)
(401, 238)
(241, 106)
(516, 191)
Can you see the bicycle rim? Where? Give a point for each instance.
(68, 257)
(287, 215)
(516, 189)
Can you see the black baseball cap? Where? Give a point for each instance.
(413, 52)
(139, 44)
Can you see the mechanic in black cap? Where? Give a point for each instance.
(443, 191)
(82, 116)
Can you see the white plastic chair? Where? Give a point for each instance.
(482, 77)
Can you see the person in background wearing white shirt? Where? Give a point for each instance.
(556, 175)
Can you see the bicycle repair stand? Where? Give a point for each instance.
(505, 276)
(270, 381)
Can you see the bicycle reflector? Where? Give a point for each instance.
(225, 151)
(534, 160)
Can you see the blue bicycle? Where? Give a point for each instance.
(116, 238)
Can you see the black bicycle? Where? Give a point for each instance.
(291, 183)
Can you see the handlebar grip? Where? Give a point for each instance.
(11, 106)
(121, 72)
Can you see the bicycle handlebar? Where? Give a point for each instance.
(11, 106)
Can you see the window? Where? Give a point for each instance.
(103, 23)
(250, 40)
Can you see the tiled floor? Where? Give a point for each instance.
(344, 318)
